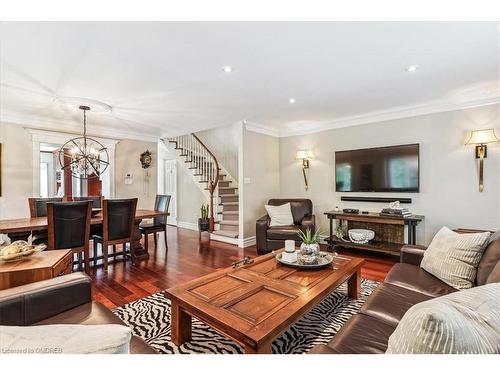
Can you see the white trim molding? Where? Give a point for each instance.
(263, 129)
(187, 225)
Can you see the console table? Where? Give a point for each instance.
(389, 231)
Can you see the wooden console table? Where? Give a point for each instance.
(389, 231)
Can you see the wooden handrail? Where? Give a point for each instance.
(212, 185)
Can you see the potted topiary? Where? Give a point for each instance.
(204, 221)
(309, 248)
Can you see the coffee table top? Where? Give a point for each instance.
(254, 303)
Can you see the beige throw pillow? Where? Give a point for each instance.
(453, 257)
(464, 322)
(280, 215)
(65, 339)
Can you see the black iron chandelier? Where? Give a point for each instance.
(85, 157)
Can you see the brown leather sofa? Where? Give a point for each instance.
(406, 284)
(62, 300)
(269, 239)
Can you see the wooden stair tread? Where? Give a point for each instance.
(229, 222)
(228, 195)
(228, 212)
(229, 204)
(226, 233)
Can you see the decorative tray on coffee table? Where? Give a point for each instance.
(324, 260)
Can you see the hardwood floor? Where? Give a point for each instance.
(185, 260)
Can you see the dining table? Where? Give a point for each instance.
(34, 224)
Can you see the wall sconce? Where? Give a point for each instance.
(480, 138)
(305, 156)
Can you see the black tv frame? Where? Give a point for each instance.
(383, 190)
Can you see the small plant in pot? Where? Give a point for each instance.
(204, 221)
(309, 248)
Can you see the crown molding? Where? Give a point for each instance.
(262, 129)
(421, 109)
(97, 131)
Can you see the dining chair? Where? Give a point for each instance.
(118, 217)
(96, 200)
(159, 223)
(69, 228)
(38, 206)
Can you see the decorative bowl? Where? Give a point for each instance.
(361, 236)
(24, 250)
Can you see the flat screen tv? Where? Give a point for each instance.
(381, 169)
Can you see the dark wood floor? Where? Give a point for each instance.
(186, 259)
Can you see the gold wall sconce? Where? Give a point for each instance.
(305, 156)
(480, 138)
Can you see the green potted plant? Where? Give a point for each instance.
(309, 248)
(204, 221)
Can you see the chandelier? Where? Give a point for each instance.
(85, 157)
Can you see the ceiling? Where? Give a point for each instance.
(162, 79)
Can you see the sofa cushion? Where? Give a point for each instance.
(280, 215)
(415, 278)
(454, 257)
(465, 322)
(390, 302)
(362, 334)
(300, 207)
(289, 232)
(65, 339)
(95, 313)
(491, 257)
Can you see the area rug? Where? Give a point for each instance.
(149, 319)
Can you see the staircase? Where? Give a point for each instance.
(223, 192)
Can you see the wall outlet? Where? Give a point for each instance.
(247, 180)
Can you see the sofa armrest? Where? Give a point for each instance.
(412, 254)
(308, 222)
(30, 303)
(261, 227)
(322, 349)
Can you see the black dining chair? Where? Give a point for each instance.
(118, 217)
(159, 223)
(69, 228)
(96, 200)
(38, 208)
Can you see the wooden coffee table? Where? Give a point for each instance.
(253, 304)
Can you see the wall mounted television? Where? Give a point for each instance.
(381, 169)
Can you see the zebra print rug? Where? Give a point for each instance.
(149, 319)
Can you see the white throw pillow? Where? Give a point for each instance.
(464, 322)
(280, 215)
(65, 339)
(453, 257)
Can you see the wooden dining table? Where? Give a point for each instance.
(33, 224)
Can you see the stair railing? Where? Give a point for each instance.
(206, 164)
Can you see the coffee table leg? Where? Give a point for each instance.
(261, 349)
(354, 285)
(180, 329)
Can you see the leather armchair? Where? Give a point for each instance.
(273, 238)
(62, 300)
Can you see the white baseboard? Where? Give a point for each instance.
(249, 241)
(186, 225)
(230, 240)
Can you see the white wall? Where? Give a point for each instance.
(260, 165)
(448, 174)
(17, 171)
(127, 160)
(223, 143)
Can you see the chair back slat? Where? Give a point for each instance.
(69, 224)
(162, 203)
(38, 206)
(118, 219)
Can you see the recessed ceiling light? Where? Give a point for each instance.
(291, 100)
(412, 68)
(227, 69)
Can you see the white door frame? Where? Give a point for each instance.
(172, 218)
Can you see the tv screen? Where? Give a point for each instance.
(382, 169)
